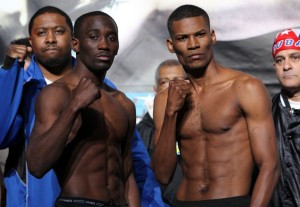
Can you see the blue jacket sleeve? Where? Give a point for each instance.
(148, 185)
(11, 86)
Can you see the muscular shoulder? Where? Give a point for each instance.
(250, 91)
(119, 96)
(126, 101)
(247, 84)
(56, 89)
(54, 95)
(122, 99)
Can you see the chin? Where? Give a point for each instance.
(198, 65)
(290, 87)
(55, 61)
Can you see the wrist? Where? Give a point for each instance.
(171, 113)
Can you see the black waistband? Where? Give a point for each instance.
(238, 201)
(73, 201)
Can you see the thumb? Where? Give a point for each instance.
(186, 80)
(29, 49)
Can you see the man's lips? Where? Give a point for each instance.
(288, 76)
(196, 56)
(103, 57)
(47, 49)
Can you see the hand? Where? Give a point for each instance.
(177, 93)
(17, 51)
(85, 93)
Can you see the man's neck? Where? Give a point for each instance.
(54, 73)
(52, 76)
(82, 71)
(293, 95)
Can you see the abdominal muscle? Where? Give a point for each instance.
(215, 167)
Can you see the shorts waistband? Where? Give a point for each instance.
(85, 202)
(237, 201)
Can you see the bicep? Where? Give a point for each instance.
(47, 108)
(256, 105)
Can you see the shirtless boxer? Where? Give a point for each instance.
(83, 127)
(221, 119)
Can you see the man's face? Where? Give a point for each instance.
(168, 73)
(192, 41)
(287, 67)
(51, 39)
(98, 42)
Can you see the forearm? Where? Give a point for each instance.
(164, 156)
(45, 149)
(265, 185)
(131, 192)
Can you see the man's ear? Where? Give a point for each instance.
(170, 45)
(155, 89)
(30, 40)
(75, 45)
(213, 37)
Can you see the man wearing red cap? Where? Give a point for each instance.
(286, 112)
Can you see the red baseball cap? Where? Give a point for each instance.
(285, 40)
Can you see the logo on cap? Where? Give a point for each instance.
(288, 39)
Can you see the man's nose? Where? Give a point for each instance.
(193, 43)
(102, 43)
(287, 64)
(50, 37)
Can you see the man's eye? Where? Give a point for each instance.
(41, 33)
(295, 57)
(59, 31)
(112, 38)
(279, 60)
(200, 34)
(181, 38)
(93, 37)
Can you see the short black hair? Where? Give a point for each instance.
(79, 20)
(187, 11)
(50, 9)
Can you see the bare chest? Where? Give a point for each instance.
(105, 119)
(209, 114)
